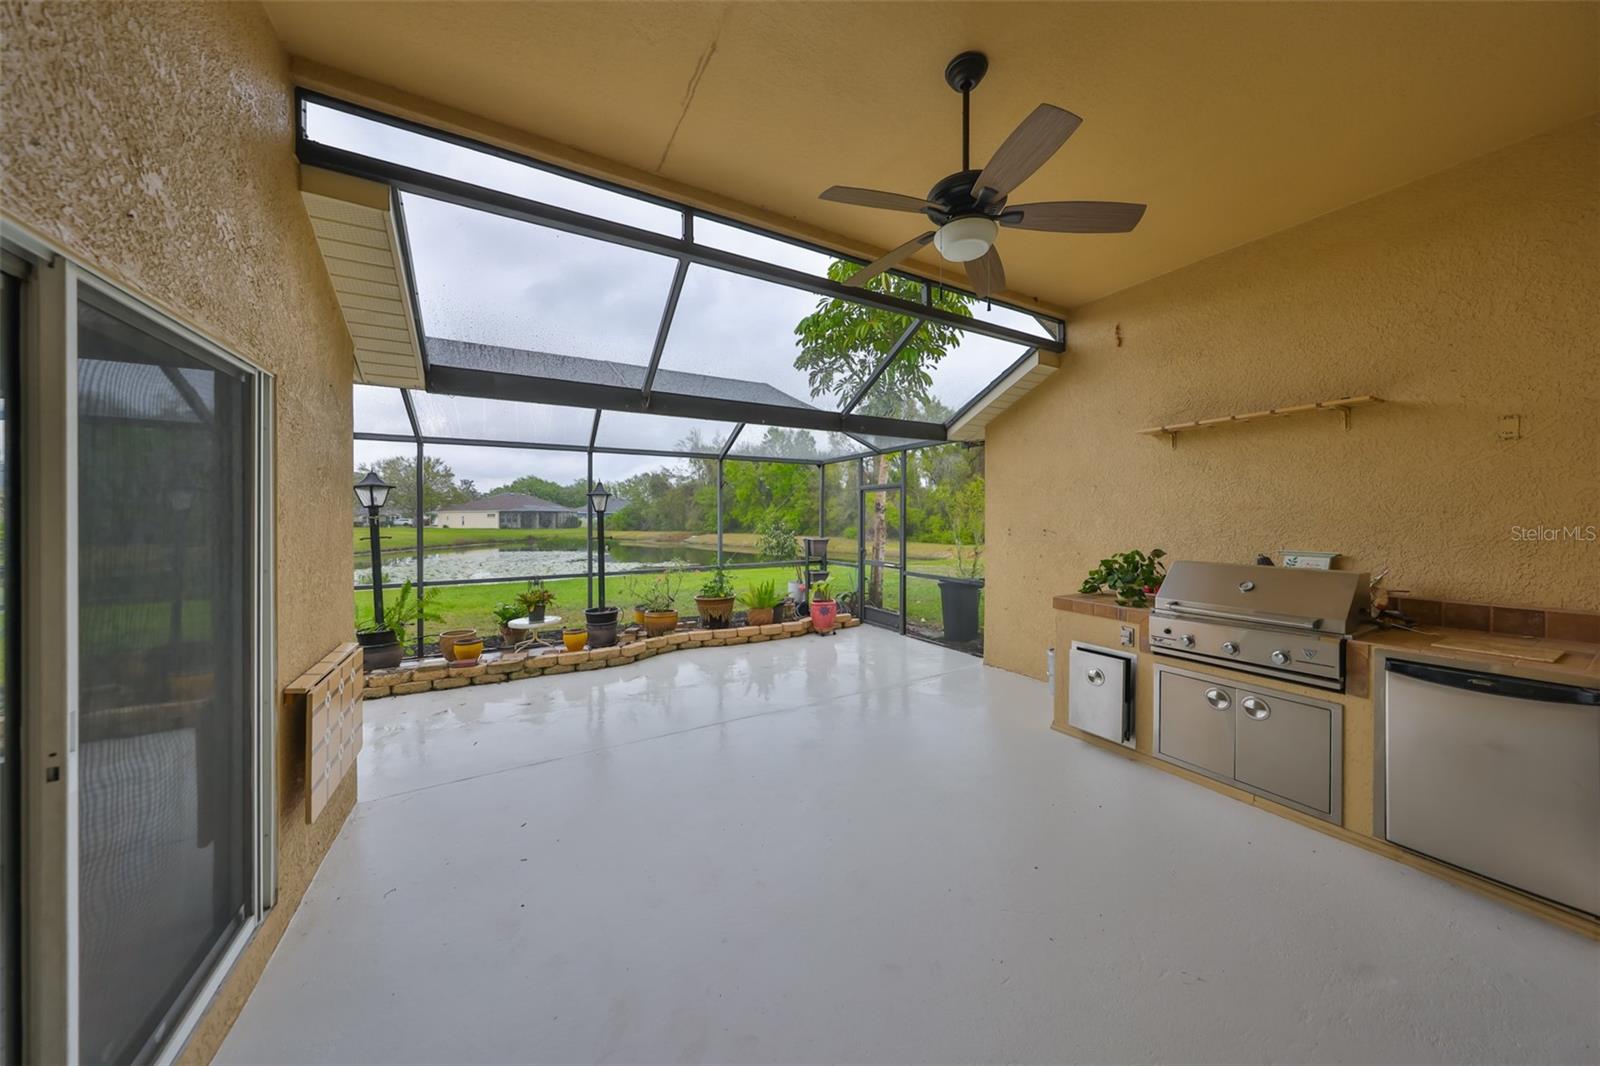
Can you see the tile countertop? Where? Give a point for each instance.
(1578, 665)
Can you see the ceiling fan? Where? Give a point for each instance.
(969, 207)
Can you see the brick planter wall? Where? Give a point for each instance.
(425, 675)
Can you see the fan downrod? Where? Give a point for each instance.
(965, 71)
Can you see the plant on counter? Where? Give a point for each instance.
(1132, 577)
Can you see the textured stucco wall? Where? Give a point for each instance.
(1467, 295)
(154, 142)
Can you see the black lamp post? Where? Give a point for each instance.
(373, 493)
(599, 500)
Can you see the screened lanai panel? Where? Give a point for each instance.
(734, 327)
(778, 442)
(730, 238)
(487, 279)
(1001, 315)
(476, 418)
(379, 409)
(933, 390)
(662, 433)
(380, 140)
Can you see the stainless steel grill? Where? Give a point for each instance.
(1268, 620)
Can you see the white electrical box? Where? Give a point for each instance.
(1308, 560)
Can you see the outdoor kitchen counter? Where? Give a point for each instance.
(1098, 621)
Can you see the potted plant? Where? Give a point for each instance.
(379, 648)
(534, 600)
(823, 608)
(575, 637)
(383, 644)
(715, 601)
(760, 600)
(504, 615)
(1132, 576)
(659, 603)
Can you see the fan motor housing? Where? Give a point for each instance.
(954, 193)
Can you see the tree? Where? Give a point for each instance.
(574, 495)
(841, 344)
(439, 484)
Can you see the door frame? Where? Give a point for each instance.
(48, 635)
(880, 616)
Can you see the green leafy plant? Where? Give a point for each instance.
(661, 594)
(535, 598)
(403, 610)
(821, 590)
(717, 586)
(506, 613)
(966, 528)
(1129, 576)
(761, 596)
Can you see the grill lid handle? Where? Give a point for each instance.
(1192, 611)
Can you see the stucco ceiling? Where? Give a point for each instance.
(1231, 121)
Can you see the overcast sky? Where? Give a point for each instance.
(492, 280)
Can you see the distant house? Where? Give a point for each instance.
(508, 510)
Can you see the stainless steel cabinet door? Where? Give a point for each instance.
(1097, 693)
(1284, 747)
(1196, 722)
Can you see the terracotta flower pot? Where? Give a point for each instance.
(759, 616)
(447, 641)
(658, 622)
(823, 615)
(575, 641)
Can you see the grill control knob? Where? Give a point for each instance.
(1230, 647)
(1187, 640)
(1280, 657)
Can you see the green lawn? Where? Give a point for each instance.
(470, 606)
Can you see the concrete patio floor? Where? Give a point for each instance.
(862, 849)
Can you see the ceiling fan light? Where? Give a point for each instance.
(962, 240)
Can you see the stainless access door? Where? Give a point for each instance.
(1497, 775)
(1194, 722)
(1100, 693)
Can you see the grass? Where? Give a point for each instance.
(471, 606)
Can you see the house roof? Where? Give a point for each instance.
(511, 501)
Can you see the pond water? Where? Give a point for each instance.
(460, 564)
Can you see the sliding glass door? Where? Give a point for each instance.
(166, 620)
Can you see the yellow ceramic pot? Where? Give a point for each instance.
(575, 641)
(467, 650)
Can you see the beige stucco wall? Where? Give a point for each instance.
(154, 142)
(1465, 296)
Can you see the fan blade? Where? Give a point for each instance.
(986, 274)
(889, 201)
(1034, 141)
(1074, 216)
(887, 260)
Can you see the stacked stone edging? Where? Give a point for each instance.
(428, 675)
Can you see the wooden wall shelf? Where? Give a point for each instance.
(1343, 405)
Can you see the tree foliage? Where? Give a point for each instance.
(842, 342)
(575, 494)
(439, 484)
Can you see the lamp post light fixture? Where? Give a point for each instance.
(372, 493)
(599, 500)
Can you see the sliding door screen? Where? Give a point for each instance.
(166, 622)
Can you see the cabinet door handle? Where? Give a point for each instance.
(1256, 708)
(1218, 699)
(1095, 675)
